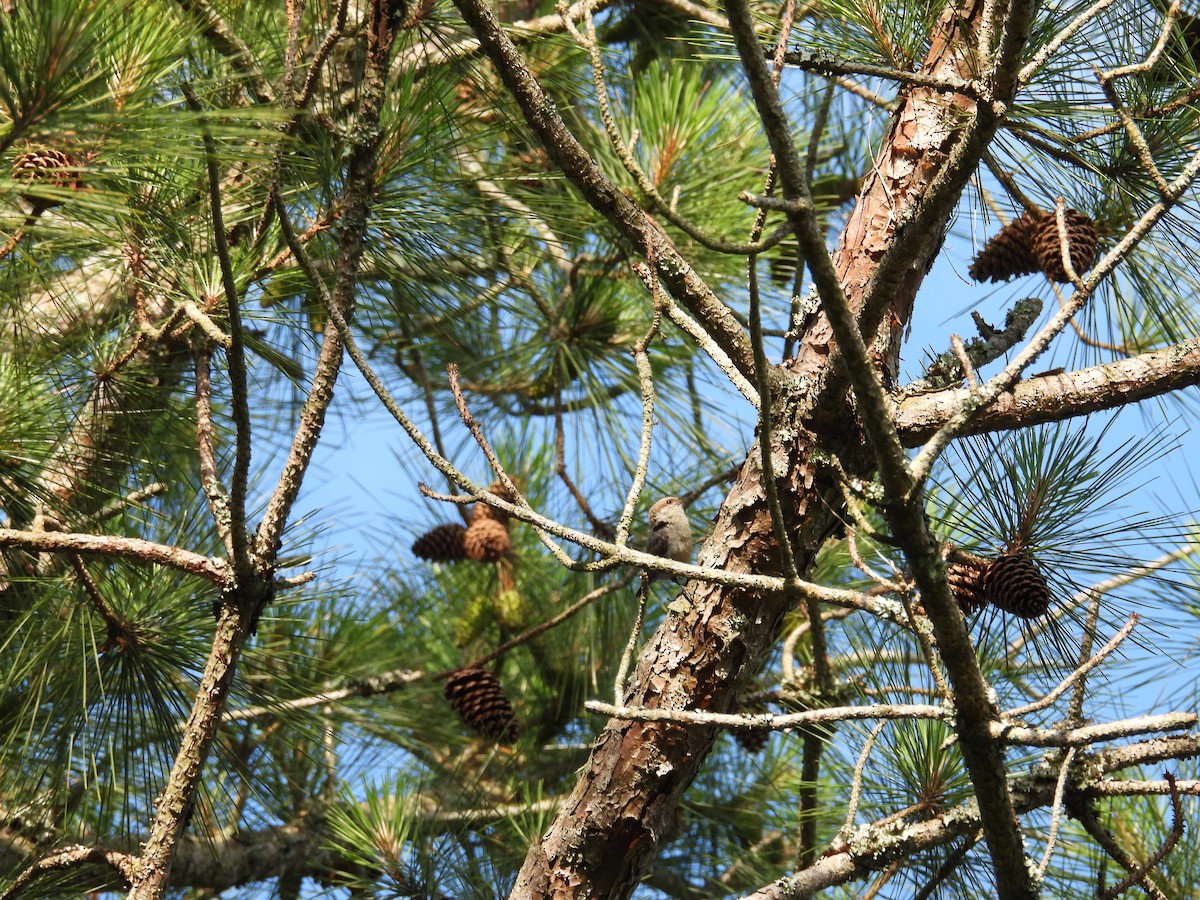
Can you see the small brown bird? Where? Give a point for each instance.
(670, 531)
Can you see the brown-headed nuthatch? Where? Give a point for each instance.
(670, 531)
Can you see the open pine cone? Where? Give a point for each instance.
(1030, 244)
(1082, 238)
(47, 167)
(486, 540)
(1011, 581)
(967, 578)
(1008, 253)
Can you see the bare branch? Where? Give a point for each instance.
(1056, 397)
(215, 570)
(1090, 734)
(1064, 685)
(786, 721)
(237, 532)
(71, 858)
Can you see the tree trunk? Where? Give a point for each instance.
(707, 649)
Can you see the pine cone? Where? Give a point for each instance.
(479, 700)
(441, 544)
(1008, 253)
(752, 740)
(1082, 237)
(483, 511)
(48, 167)
(486, 540)
(967, 578)
(1015, 584)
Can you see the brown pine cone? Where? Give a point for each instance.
(486, 540)
(1008, 253)
(479, 700)
(443, 543)
(1082, 236)
(753, 740)
(967, 576)
(1015, 584)
(483, 511)
(47, 167)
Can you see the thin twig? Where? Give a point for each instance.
(239, 385)
(1077, 675)
(571, 611)
(645, 372)
(554, 247)
(1086, 642)
(864, 92)
(788, 650)
(1056, 810)
(137, 549)
(861, 564)
(1047, 50)
(1008, 183)
(963, 360)
(1087, 817)
(703, 340)
(132, 500)
(619, 688)
(1142, 788)
(323, 51)
(1138, 873)
(113, 621)
(824, 63)
(383, 683)
(476, 430)
(601, 527)
(856, 779)
(1164, 35)
(1090, 734)
(1137, 140)
(67, 858)
(210, 478)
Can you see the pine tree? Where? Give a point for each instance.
(578, 259)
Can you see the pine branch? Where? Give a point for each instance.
(1057, 397)
(230, 45)
(824, 63)
(240, 606)
(581, 168)
(209, 568)
(948, 369)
